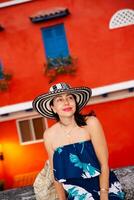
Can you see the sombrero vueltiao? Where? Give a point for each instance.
(42, 102)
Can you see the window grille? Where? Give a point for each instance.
(122, 18)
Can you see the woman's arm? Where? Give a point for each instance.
(100, 147)
(58, 186)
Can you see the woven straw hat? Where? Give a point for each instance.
(42, 102)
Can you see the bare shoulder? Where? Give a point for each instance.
(93, 121)
(49, 133)
(48, 139)
(94, 126)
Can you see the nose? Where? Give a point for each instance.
(66, 102)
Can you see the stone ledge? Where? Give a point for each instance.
(22, 193)
(125, 175)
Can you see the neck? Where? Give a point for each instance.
(67, 121)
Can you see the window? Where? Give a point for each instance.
(55, 42)
(31, 129)
(1, 71)
(122, 18)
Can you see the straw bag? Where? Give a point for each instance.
(44, 186)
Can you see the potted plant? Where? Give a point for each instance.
(60, 65)
(2, 182)
(4, 81)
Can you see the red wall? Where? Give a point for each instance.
(104, 57)
(117, 120)
(117, 123)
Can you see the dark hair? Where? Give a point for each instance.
(79, 118)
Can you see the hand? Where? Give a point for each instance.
(103, 195)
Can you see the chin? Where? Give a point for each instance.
(68, 114)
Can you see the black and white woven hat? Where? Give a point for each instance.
(42, 102)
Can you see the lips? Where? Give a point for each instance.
(67, 109)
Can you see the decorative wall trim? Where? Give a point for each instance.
(49, 14)
(122, 18)
(102, 94)
(13, 3)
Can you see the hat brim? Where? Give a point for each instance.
(42, 103)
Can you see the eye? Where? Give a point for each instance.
(59, 99)
(70, 97)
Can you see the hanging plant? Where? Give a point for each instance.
(4, 81)
(60, 65)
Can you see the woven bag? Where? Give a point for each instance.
(44, 186)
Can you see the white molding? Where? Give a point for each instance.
(18, 115)
(116, 91)
(32, 142)
(112, 88)
(12, 3)
(32, 130)
(113, 96)
(16, 107)
(18, 131)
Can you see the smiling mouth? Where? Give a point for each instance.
(67, 109)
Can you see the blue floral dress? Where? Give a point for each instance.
(76, 166)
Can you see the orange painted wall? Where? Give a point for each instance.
(104, 57)
(19, 159)
(117, 122)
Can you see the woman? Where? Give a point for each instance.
(76, 146)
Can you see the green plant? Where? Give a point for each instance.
(60, 65)
(4, 81)
(2, 183)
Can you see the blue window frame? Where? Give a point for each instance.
(55, 42)
(1, 71)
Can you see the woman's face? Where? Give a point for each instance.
(64, 105)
